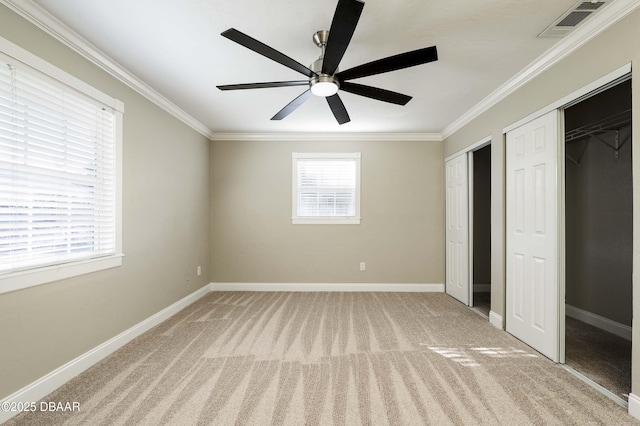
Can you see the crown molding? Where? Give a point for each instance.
(346, 136)
(611, 14)
(65, 35)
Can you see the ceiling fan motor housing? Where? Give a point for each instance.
(323, 84)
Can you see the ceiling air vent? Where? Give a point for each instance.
(572, 18)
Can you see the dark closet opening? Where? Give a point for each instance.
(598, 236)
(482, 229)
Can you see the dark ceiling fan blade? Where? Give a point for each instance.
(292, 106)
(343, 25)
(263, 85)
(375, 93)
(338, 109)
(269, 52)
(391, 63)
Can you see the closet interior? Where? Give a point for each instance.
(482, 229)
(598, 238)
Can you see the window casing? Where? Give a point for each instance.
(326, 188)
(60, 173)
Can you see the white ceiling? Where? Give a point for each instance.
(176, 48)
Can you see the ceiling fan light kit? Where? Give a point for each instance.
(324, 85)
(324, 78)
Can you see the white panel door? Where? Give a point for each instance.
(532, 234)
(457, 232)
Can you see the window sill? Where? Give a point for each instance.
(37, 276)
(325, 221)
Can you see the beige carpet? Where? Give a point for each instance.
(601, 356)
(328, 358)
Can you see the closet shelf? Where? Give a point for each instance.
(595, 131)
(610, 123)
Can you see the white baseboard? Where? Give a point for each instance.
(415, 288)
(634, 405)
(496, 320)
(481, 288)
(58, 377)
(602, 323)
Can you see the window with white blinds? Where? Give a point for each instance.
(326, 188)
(58, 173)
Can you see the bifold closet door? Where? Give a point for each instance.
(457, 228)
(532, 234)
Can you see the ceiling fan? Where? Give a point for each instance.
(324, 78)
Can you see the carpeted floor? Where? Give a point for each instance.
(328, 358)
(601, 356)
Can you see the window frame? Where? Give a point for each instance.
(325, 220)
(37, 275)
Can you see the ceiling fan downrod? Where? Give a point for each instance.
(322, 85)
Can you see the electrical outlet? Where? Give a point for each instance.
(363, 266)
(199, 270)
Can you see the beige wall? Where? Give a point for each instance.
(400, 236)
(165, 227)
(610, 50)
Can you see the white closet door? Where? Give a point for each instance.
(457, 228)
(532, 234)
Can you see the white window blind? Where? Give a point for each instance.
(57, 173)
(326, 188)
